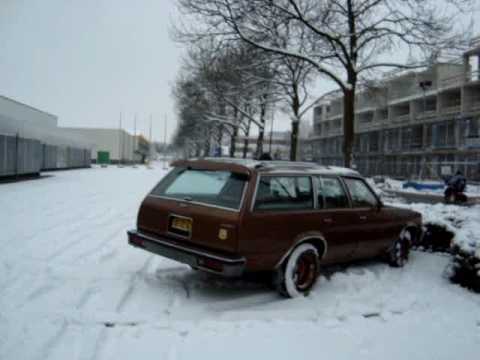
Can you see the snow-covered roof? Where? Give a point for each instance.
(277, 166)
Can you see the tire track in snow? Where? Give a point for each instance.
(39, 292)
(132, 283)
(107, 239)
(86, 296)
(100, 343)
(53, 342)
(77, 227)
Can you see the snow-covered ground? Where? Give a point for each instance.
(71, 288)
(464, 222)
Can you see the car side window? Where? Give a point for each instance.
(284, 193)
(360, 193)
(331, 194)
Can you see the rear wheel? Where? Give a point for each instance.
(400, 250)
(299, 272)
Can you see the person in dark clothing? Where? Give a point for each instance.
(265, 156)
(456, 186)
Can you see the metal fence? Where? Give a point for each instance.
(20, 156)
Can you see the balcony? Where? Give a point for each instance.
(473, 76)
(452, 81)
(426, 114)
(473, 103)
(472, 142)
(402, 118)
(452, 109)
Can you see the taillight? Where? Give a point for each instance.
(137, 241)
(211, 264)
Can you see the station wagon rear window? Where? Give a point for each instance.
(211, 187)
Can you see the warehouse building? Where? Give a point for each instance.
(31, 141)
(121, 146)
(424, 123)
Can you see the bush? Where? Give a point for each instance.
(465, 269)
(436, 238)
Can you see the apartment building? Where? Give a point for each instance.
(416, 123)
(276, 143)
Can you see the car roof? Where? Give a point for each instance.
(265, 167)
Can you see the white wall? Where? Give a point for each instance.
(15, 110)
(30, 123)
(118, 143)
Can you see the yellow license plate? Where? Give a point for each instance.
(182, 224)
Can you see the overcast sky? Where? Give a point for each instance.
(88, 60)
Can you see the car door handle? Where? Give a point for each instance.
(363, 217)
(327, 220)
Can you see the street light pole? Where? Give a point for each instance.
(165, 145)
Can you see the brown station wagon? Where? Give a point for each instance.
(232, 217)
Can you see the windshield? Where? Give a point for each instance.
(219, 188)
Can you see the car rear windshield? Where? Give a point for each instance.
(212, 187)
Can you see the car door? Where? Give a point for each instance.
(334, 219)
(369, 221)
(282, 208)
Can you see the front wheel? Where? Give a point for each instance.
(299, 272)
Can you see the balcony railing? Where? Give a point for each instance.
(451, 109)
(473, 104)
(424, 114)
(472, 142)
(402, 118)
(454, 80)
(473, 76)
(460, 79)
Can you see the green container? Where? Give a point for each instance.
(103, 157)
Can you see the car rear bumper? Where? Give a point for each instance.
(195, 257)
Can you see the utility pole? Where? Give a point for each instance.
(149, 166)
(165, 144)
(134, 140)
(120, 143)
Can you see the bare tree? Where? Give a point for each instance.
(239, 81)
(342, 39)
(236, 88)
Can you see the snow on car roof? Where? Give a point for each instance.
(283, 166)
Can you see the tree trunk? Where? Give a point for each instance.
(245, 142)
(206, 150)
(295, 123)
(233, 140)
(261, 131)
(261, 135)
(294, 140)
(348, 128)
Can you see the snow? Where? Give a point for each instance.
(397, 185)
(464, 222)
(71, 288)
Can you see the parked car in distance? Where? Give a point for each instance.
(231, 217)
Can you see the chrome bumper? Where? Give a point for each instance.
(195, 257)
